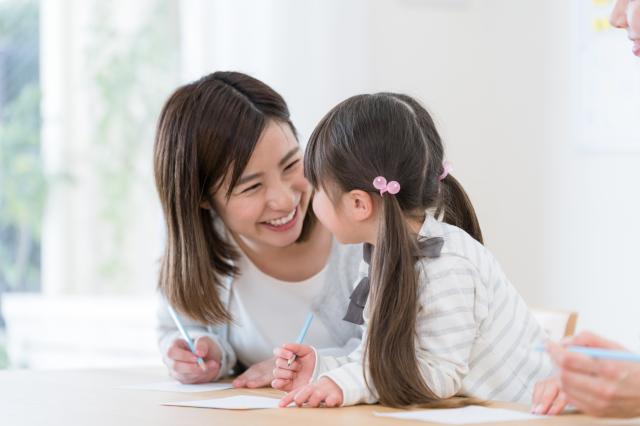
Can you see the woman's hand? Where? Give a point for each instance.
(288, 377)
(325, 392)
(259, 375)
(548, 397)
(183, 364)
(597, 387)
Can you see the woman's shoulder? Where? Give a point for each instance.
(344, 261)
(349, 254)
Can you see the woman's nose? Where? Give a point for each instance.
(282, 197)
(618, 16)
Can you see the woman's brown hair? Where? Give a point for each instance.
(206, 134)
(391, 135)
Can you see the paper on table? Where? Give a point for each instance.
(179, 387)
(465, 415)
(240, 402)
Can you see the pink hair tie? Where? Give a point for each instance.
(380, 183)
(447, 168)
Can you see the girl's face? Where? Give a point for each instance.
(626, 15)
(268, 205)
(349, 219)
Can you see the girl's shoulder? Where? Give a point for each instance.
(460, 251)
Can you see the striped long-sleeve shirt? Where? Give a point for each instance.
(474, 333)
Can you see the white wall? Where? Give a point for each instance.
(497, 76)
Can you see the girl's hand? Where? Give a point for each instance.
(548, 397)
(324, 392)
(259, 375)
(600, 388)
(183, 364)
(288, 377)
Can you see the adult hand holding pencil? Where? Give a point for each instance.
(192, 361)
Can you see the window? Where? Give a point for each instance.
(81, 86)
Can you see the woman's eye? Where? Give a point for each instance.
(251, 188)
(291, 164)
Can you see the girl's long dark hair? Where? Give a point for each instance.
(391, 135)
(207, 131)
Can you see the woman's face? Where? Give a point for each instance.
(268, 204)
(626, 15)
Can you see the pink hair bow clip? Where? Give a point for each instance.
(380, 183)
(446, 169)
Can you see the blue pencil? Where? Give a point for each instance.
(185, 335)
(599, 353)
(301, 336)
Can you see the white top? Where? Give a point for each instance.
(266, 311)
(257, 303)
(474, 333)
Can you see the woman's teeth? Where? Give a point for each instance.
(283, 220)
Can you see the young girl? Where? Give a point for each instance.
(439, 316)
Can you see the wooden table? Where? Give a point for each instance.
(92, 397)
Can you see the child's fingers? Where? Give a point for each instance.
(282, 353)
(284, 364)
(316, 398)
(281, 384)
(538, 389)
(281, 373)
(558, 405)
(303, 395)
(299, 350)
(546, 400)
(287, 399)
(332, 400)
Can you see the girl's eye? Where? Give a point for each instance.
(291, 164)
(251, 188)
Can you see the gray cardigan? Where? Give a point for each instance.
(329, 307)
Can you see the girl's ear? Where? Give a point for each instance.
(360, 204)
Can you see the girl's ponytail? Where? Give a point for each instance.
(390, 347)
(456, 209)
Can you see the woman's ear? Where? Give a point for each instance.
(360, 204)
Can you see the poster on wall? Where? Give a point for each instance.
(605, 82)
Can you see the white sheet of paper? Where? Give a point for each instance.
(239, 402)
(179, 387)
(457, 416)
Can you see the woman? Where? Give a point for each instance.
(243, 246)
(596, 387)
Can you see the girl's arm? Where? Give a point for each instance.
(347, 372)
(447, 322)
(446, 328)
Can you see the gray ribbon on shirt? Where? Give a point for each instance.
(427, 247)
